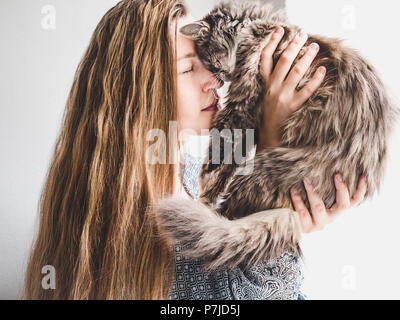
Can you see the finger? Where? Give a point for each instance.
(301, 67)
(359, 195)
(305, 93)
(318, 210)
(342, 193)
(286, 59)
(266, 62)
(342, 198)
(301, 209)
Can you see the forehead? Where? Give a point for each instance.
(184, 46)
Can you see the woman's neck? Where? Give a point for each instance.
(179, 188)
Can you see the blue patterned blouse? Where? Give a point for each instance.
(276, 279)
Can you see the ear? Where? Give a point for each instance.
(195, 30)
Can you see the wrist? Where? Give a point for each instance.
(268, 135)
(267, 141)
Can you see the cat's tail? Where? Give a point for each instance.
(206, 234)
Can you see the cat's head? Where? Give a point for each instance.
(215, 43)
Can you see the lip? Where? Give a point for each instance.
(212, 107)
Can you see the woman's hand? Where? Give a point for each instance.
(281, 98)
(320, 216)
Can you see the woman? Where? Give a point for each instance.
(95, 227)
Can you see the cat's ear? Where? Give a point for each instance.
(195, 30)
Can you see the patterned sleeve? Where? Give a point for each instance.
(277, 279)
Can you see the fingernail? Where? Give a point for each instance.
(322, 70)
(314, 46)
(302, 34)
(294, 191)
(279, 30)
(307, 181)
(364, 180)
(339, 178)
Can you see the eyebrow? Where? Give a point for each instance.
(186, 56)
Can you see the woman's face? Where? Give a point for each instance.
(196, 86)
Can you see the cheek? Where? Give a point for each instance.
(190, 116)
(188, 98)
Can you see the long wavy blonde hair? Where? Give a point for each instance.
(95, 227)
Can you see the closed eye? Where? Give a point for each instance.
(186, 72)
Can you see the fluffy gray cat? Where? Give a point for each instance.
(343, 128)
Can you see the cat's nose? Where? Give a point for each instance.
(225, 76)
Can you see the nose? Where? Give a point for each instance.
(211, 82)
(225, 76)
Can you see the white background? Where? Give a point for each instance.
(357, 257)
